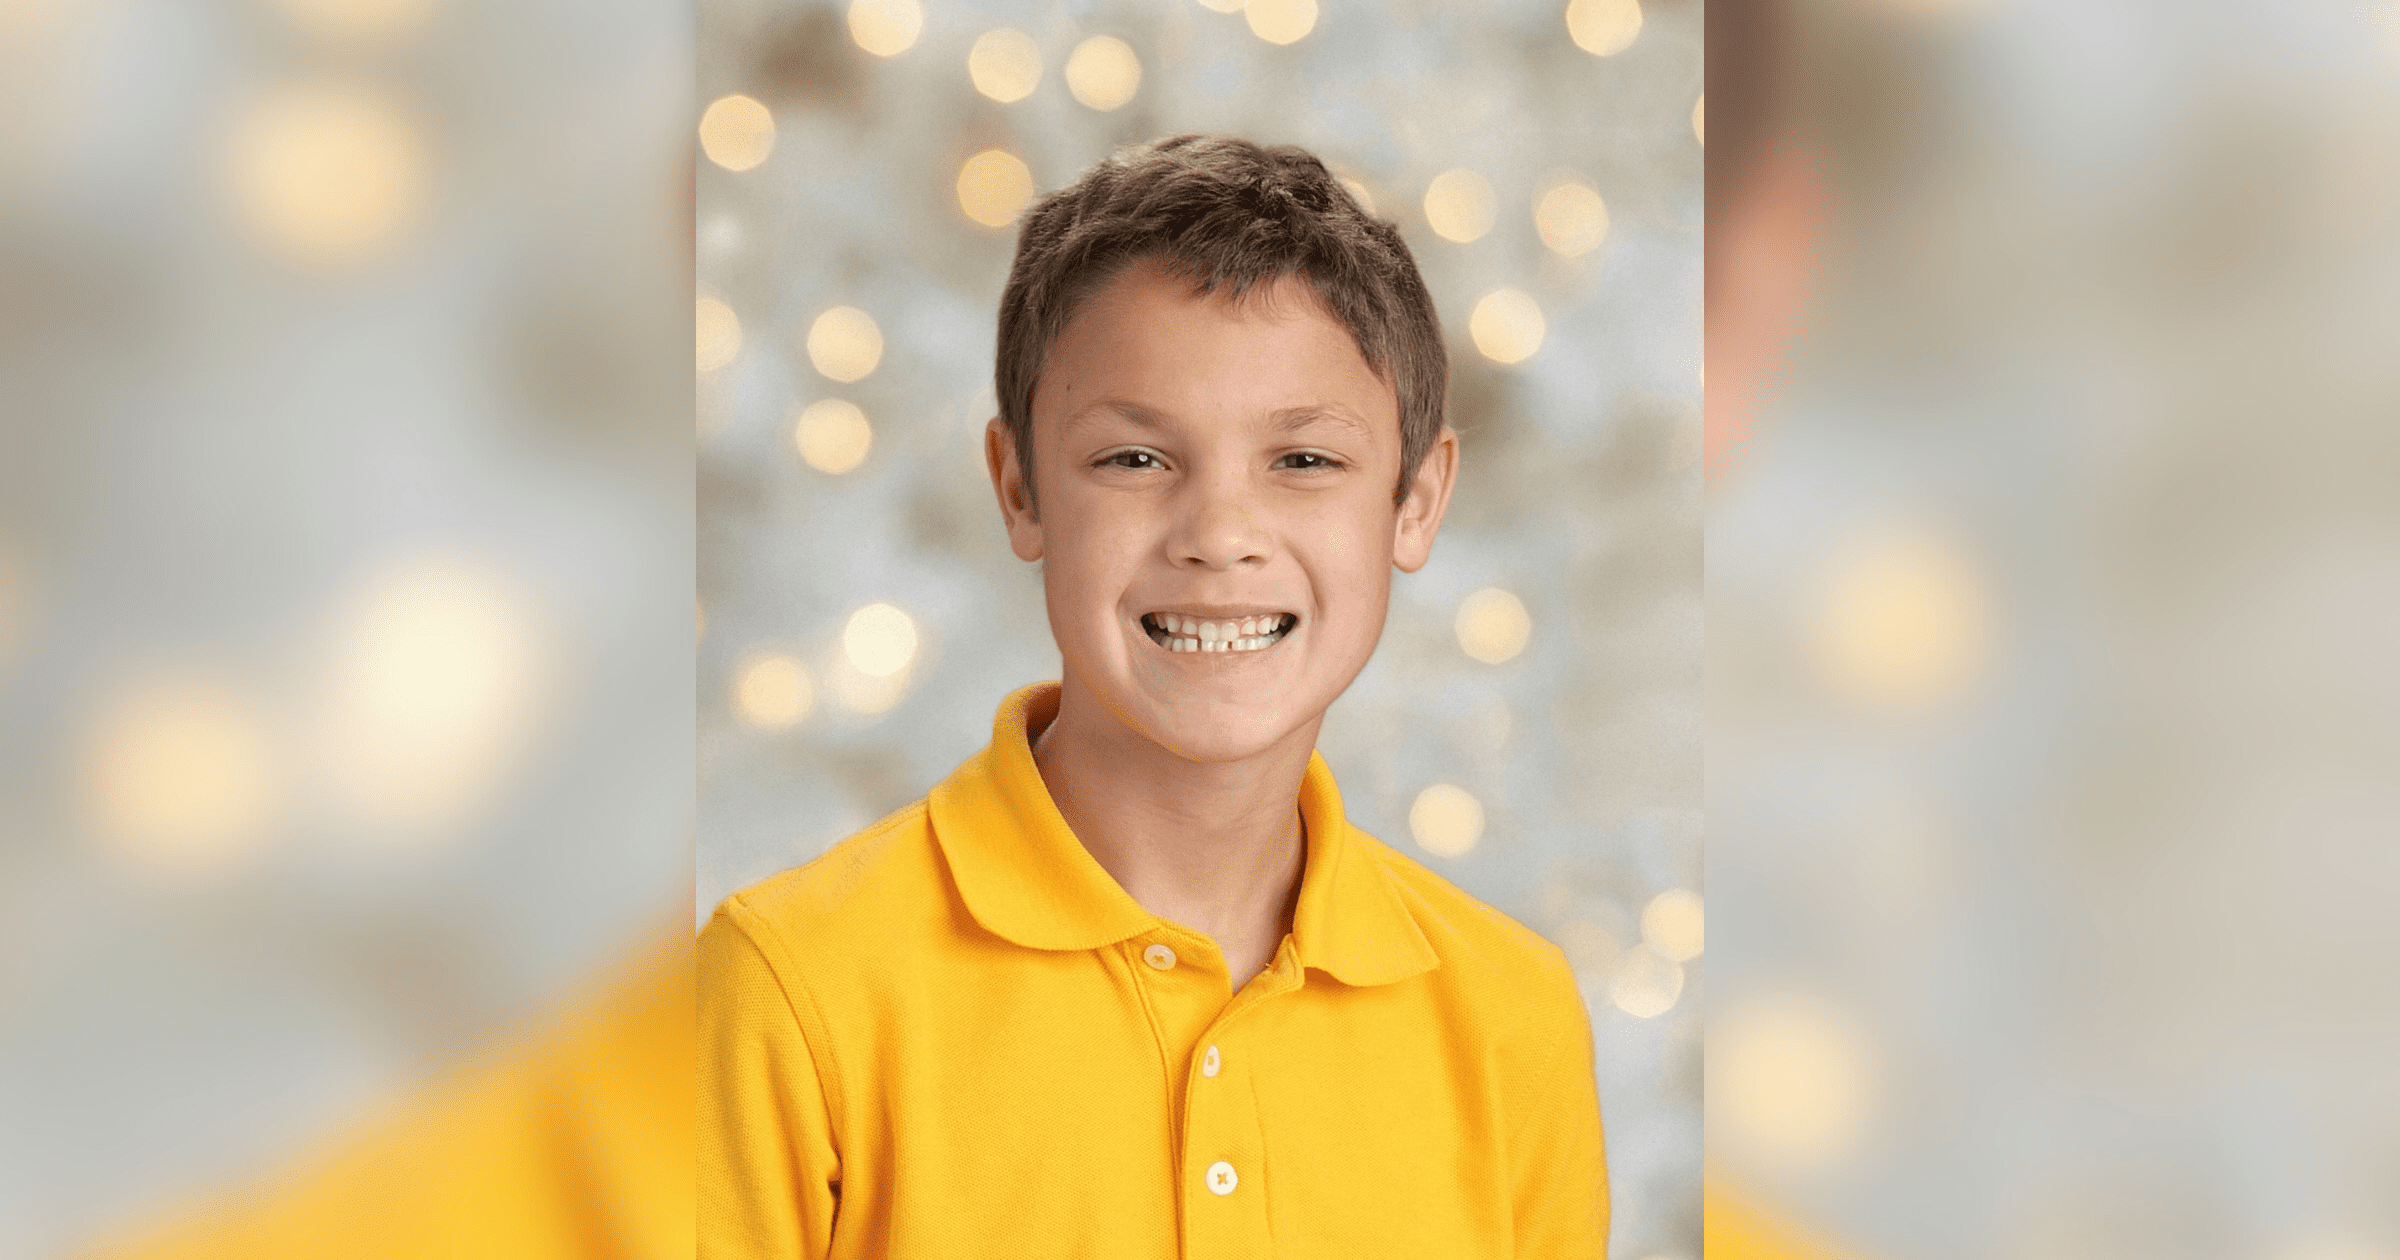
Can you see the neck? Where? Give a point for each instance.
(1213, 846)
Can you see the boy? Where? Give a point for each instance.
(1126, 984)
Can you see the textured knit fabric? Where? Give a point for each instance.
(955, 1035)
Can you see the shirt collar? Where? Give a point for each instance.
(1025, 876)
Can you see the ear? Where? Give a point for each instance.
(1008, 482)
(1428, 497)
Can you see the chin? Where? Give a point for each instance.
(1214, 739)
(1218, 727)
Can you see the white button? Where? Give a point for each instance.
(1159, 956)
(1221, 1178)
(1208, 1062)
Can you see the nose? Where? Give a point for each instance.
(1220, 528)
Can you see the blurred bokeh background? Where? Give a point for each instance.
(1530, 726)
(2051, 756)
(345, 551)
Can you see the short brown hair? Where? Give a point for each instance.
(1228, 214)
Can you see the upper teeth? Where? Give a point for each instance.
(1185, 634)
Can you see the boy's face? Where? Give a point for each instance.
(1215, 509)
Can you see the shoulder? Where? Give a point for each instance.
(863, 888)
(1485, 952)
(1500, 978)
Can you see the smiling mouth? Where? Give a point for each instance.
(1178, 633)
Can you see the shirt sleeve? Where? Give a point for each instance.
(769, 1171)
(1558, 1171)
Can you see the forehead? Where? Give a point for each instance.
(1148, 341)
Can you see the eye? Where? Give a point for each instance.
(1136, 459)
(1308, 461)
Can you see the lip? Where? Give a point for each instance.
(1217, 612)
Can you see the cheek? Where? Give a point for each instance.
(1090, 560)
(1350, 555)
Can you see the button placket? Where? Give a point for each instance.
(1225, 1155)
(1226, 1212)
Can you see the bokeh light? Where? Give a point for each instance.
(1103, 72)
(1507, 326)
(434, 675)
(1899, 620)
(833, 435)
(1789, 1081)
(179, 774)
(773, 692)
(330, 172)
(1700, 119)
(718, 333)
(1223, 6)
(1647, 984)
(886, 28)
(736, 132)
(993, 186)
(1492, 625)
(1446, 820)
(1005, 64)
(1572, 219)
(845, 344)
(1281, 21)
(880, 640)
(1603, 27)
(1459, 205)
(358, 21)
(1673, 924)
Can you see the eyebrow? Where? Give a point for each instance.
(1286, 420)
(1293, 419)
(1139, 416)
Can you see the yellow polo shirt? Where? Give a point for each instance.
(955, 1035)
